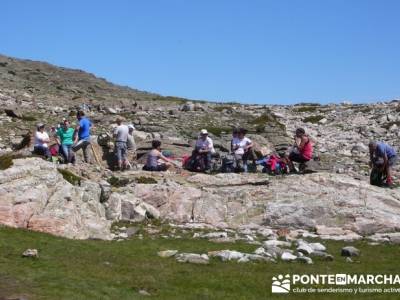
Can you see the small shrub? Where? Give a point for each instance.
(6, 161)
(145, 180)
(70, 177)
(313, 119)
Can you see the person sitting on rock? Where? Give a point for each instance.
(41, 142)
(302, 151)
(243, 150)
(204, 148)
(121, 133)
(153, 157)
(131, 145)
(381, 151)
(82, 135)
(65, 138)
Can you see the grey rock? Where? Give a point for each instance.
(350, 251)
(31, 253)
(167, 253)
(286, 256)
(193, 258)
(305, 259)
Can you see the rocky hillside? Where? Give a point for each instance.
(83, 201)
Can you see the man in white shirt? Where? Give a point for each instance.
(121, 133)
(205, 148)
(41, 139)
(242, 148)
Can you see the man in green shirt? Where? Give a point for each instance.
(65, 138)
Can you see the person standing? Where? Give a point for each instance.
(42, 139)
(131, 145)
(379, 151)
(82, 135)
(65, 138)
(121, 133)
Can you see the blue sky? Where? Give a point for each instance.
(284, 51)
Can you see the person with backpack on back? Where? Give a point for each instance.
(131, 146)
(82, 135)
(121, 133)
(383, 158)
(302, 151)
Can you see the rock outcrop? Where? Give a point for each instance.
(34, 195)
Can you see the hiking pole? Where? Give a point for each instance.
(95, 155)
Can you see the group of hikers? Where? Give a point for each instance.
(242, 156)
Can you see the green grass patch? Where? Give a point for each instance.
(70, 177)
(313, 119)
(73, 269)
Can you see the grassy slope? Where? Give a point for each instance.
(69, 269)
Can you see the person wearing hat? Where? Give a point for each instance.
(121, 133)
(205, 148)
(82, 135)
(303, 149)
(131, 145)
(41, 141)
(65, 138)
(243, 150)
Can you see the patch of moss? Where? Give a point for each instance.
(217, 131)
(145, 180)
(313, 119)
(28, 118)
(118, 182)
(6, 161)
(70, 177)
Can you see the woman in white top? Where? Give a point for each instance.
(41, 139)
